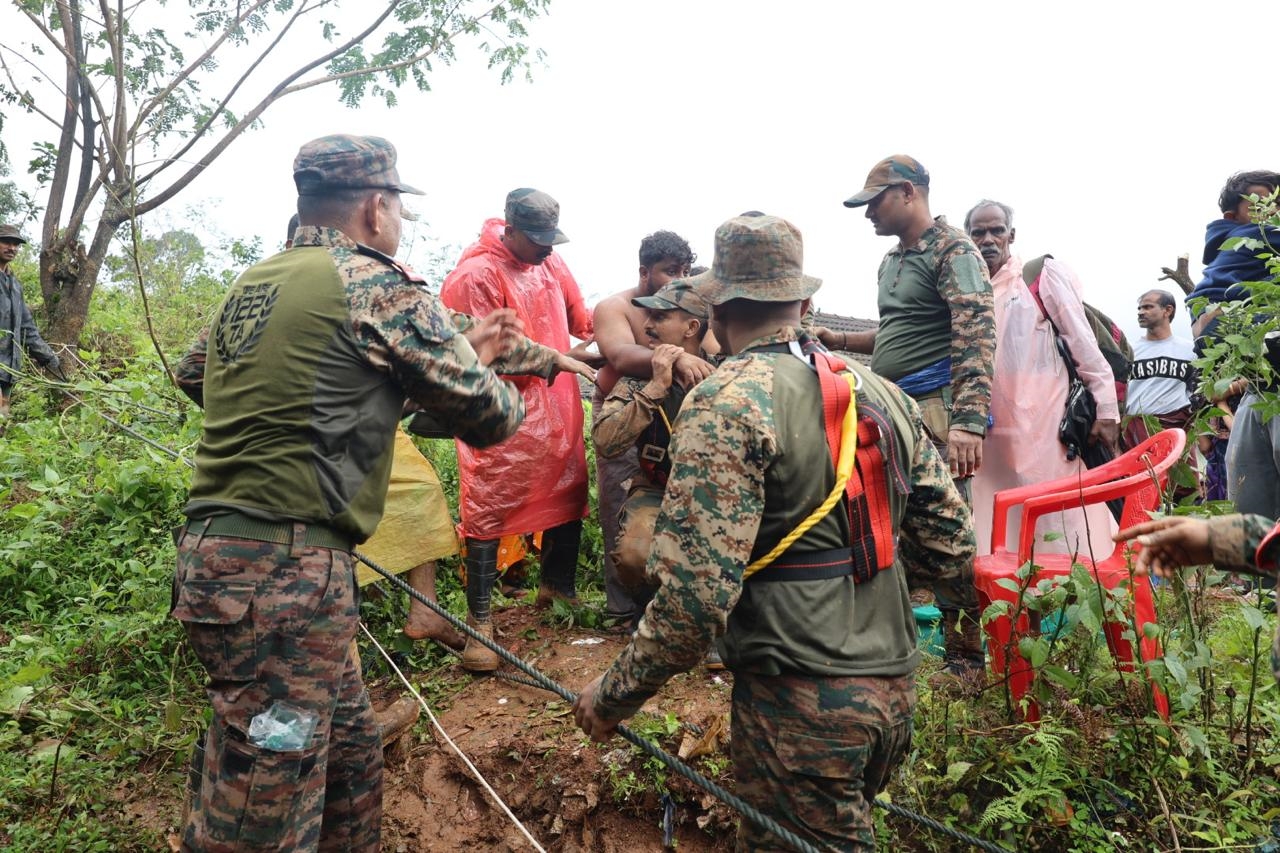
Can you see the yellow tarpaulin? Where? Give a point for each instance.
(416, 526)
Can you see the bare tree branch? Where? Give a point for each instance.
(382, 69)
(182, 76)
(247, 120)
(13, 83)
(204, 126)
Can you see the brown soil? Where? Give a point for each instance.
(524, 742)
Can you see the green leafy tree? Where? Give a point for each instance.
(154, 94)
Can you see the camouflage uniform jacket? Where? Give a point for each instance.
(317, 348)
(935, 301)
(629, 417)
(728, 452)
(1251, 544)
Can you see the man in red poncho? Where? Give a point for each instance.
(537, 479)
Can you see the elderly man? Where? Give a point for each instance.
(18, 332)
(1022, 444)
(303, 375)
(823, 690)
(936, 340)
(537, 481)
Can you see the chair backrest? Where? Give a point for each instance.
(1128, 476)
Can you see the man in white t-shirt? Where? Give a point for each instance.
(1161, 366)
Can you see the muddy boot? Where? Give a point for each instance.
(963, 656)
(559, 564)
(482, 572)
(424, 623)
(477, 657)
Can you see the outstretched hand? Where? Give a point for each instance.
(568, 364)
(1168, 544)
(494, 336)
(583, 353)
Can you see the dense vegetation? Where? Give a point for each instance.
(100, 700)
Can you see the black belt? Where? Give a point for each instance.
(235, 525)
(807, 566)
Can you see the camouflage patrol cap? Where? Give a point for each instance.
(536, 215)
(345, 162)
(680, 294)
(891, 171)
(759, 258)
(11, 232)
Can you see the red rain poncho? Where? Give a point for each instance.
(537, 479)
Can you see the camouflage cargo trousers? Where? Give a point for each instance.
(613, 478)
(812, 753)
(957, 593)
(273, 624)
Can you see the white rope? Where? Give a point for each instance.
(439, 728)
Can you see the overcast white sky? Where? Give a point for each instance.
(1109, 127)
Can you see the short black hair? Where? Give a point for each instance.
(293, 226)
(661, 245)
(1165, 300)
(1237, 187)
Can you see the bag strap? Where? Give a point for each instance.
(1031, 272)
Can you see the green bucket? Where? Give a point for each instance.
(929, 629)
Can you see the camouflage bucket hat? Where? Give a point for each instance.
(759, 258)
(680, 294)
(346, 162)
(11, 232)
(891, 171)
(536, 214)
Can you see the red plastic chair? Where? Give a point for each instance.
(1128, 476)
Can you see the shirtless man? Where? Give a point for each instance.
(619, 333)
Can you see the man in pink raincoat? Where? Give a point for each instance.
(1029, 389)
(537, 479)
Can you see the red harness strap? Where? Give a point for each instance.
(867, 490)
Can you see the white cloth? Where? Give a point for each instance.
(1158, 383)
(1028, 394)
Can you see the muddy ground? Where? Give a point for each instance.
(570, 794)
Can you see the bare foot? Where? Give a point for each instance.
(433, 627)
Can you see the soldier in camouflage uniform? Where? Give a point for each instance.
(823, 664)
(303, 376)
(1234, 543)
(937, 341)
(636, 416)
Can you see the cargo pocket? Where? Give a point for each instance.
(827, 777)
(217, 617)
(257, 796)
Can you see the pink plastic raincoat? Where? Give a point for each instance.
(1028, 393)
(536, 479)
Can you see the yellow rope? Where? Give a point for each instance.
(665, 419)
(844, 469)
